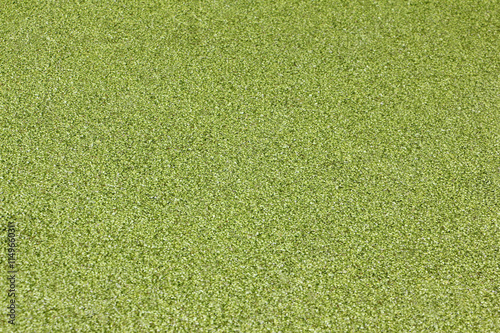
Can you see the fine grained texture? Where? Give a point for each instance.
(251, 166)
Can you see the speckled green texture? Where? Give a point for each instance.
(252, 166)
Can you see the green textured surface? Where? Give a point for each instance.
(252, 166)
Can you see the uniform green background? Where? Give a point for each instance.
(250, 166)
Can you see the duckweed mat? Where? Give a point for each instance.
(250, 166)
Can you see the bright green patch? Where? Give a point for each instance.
(252, 166)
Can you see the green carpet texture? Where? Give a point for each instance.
(250, 166)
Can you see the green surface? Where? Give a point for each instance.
(293, 166)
